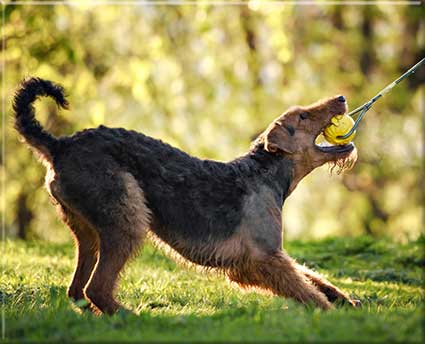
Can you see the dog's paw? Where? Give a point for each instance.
(349, 302)
(355, 303)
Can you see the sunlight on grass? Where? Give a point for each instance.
(179, 303)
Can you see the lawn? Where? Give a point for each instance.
(176, 303)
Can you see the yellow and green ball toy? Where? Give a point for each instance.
(340, 125)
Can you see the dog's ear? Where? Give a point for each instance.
(277, 137)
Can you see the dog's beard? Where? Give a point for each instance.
(345, 164)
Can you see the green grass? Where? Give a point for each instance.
(179, 304)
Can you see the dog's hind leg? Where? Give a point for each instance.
(114, 253)
(87, 245)
(127, 222)
(110, 220)
(85, 237)
(278, 274)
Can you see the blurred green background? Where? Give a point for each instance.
(208, 78)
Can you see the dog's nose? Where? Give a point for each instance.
(341, 99)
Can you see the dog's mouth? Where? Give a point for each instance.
(327, 147)
(341, 156)
(338, 150)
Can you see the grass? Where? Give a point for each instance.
(180, 304)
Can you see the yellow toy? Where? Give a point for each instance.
(340, 125)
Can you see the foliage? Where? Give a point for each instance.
(180, 304)
(208, 78)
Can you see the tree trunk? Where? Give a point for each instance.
(24, 215)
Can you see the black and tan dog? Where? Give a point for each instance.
(112, 186)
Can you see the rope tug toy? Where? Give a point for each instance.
(343, 128)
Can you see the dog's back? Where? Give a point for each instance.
(189, 200)
(90, 163)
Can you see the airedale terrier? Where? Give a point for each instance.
(112, 186)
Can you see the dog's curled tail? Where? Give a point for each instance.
(26, 123)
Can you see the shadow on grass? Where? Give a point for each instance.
(251, 322)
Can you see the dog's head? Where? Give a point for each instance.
(294, 134)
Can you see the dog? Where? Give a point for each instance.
(112, 186)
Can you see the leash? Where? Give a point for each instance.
(366, 106)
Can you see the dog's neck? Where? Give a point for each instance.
(275, 171)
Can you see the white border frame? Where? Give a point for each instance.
(5, 3)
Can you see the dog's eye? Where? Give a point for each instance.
(290, 129)
(304, 115)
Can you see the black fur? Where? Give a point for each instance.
(25, 122)
(191, 199)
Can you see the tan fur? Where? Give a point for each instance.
(218, 255)
(87, 253)
(326, 287)
(299, 147)
(277, 274)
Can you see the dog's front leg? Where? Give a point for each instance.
(278, 274)
(332, 292)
